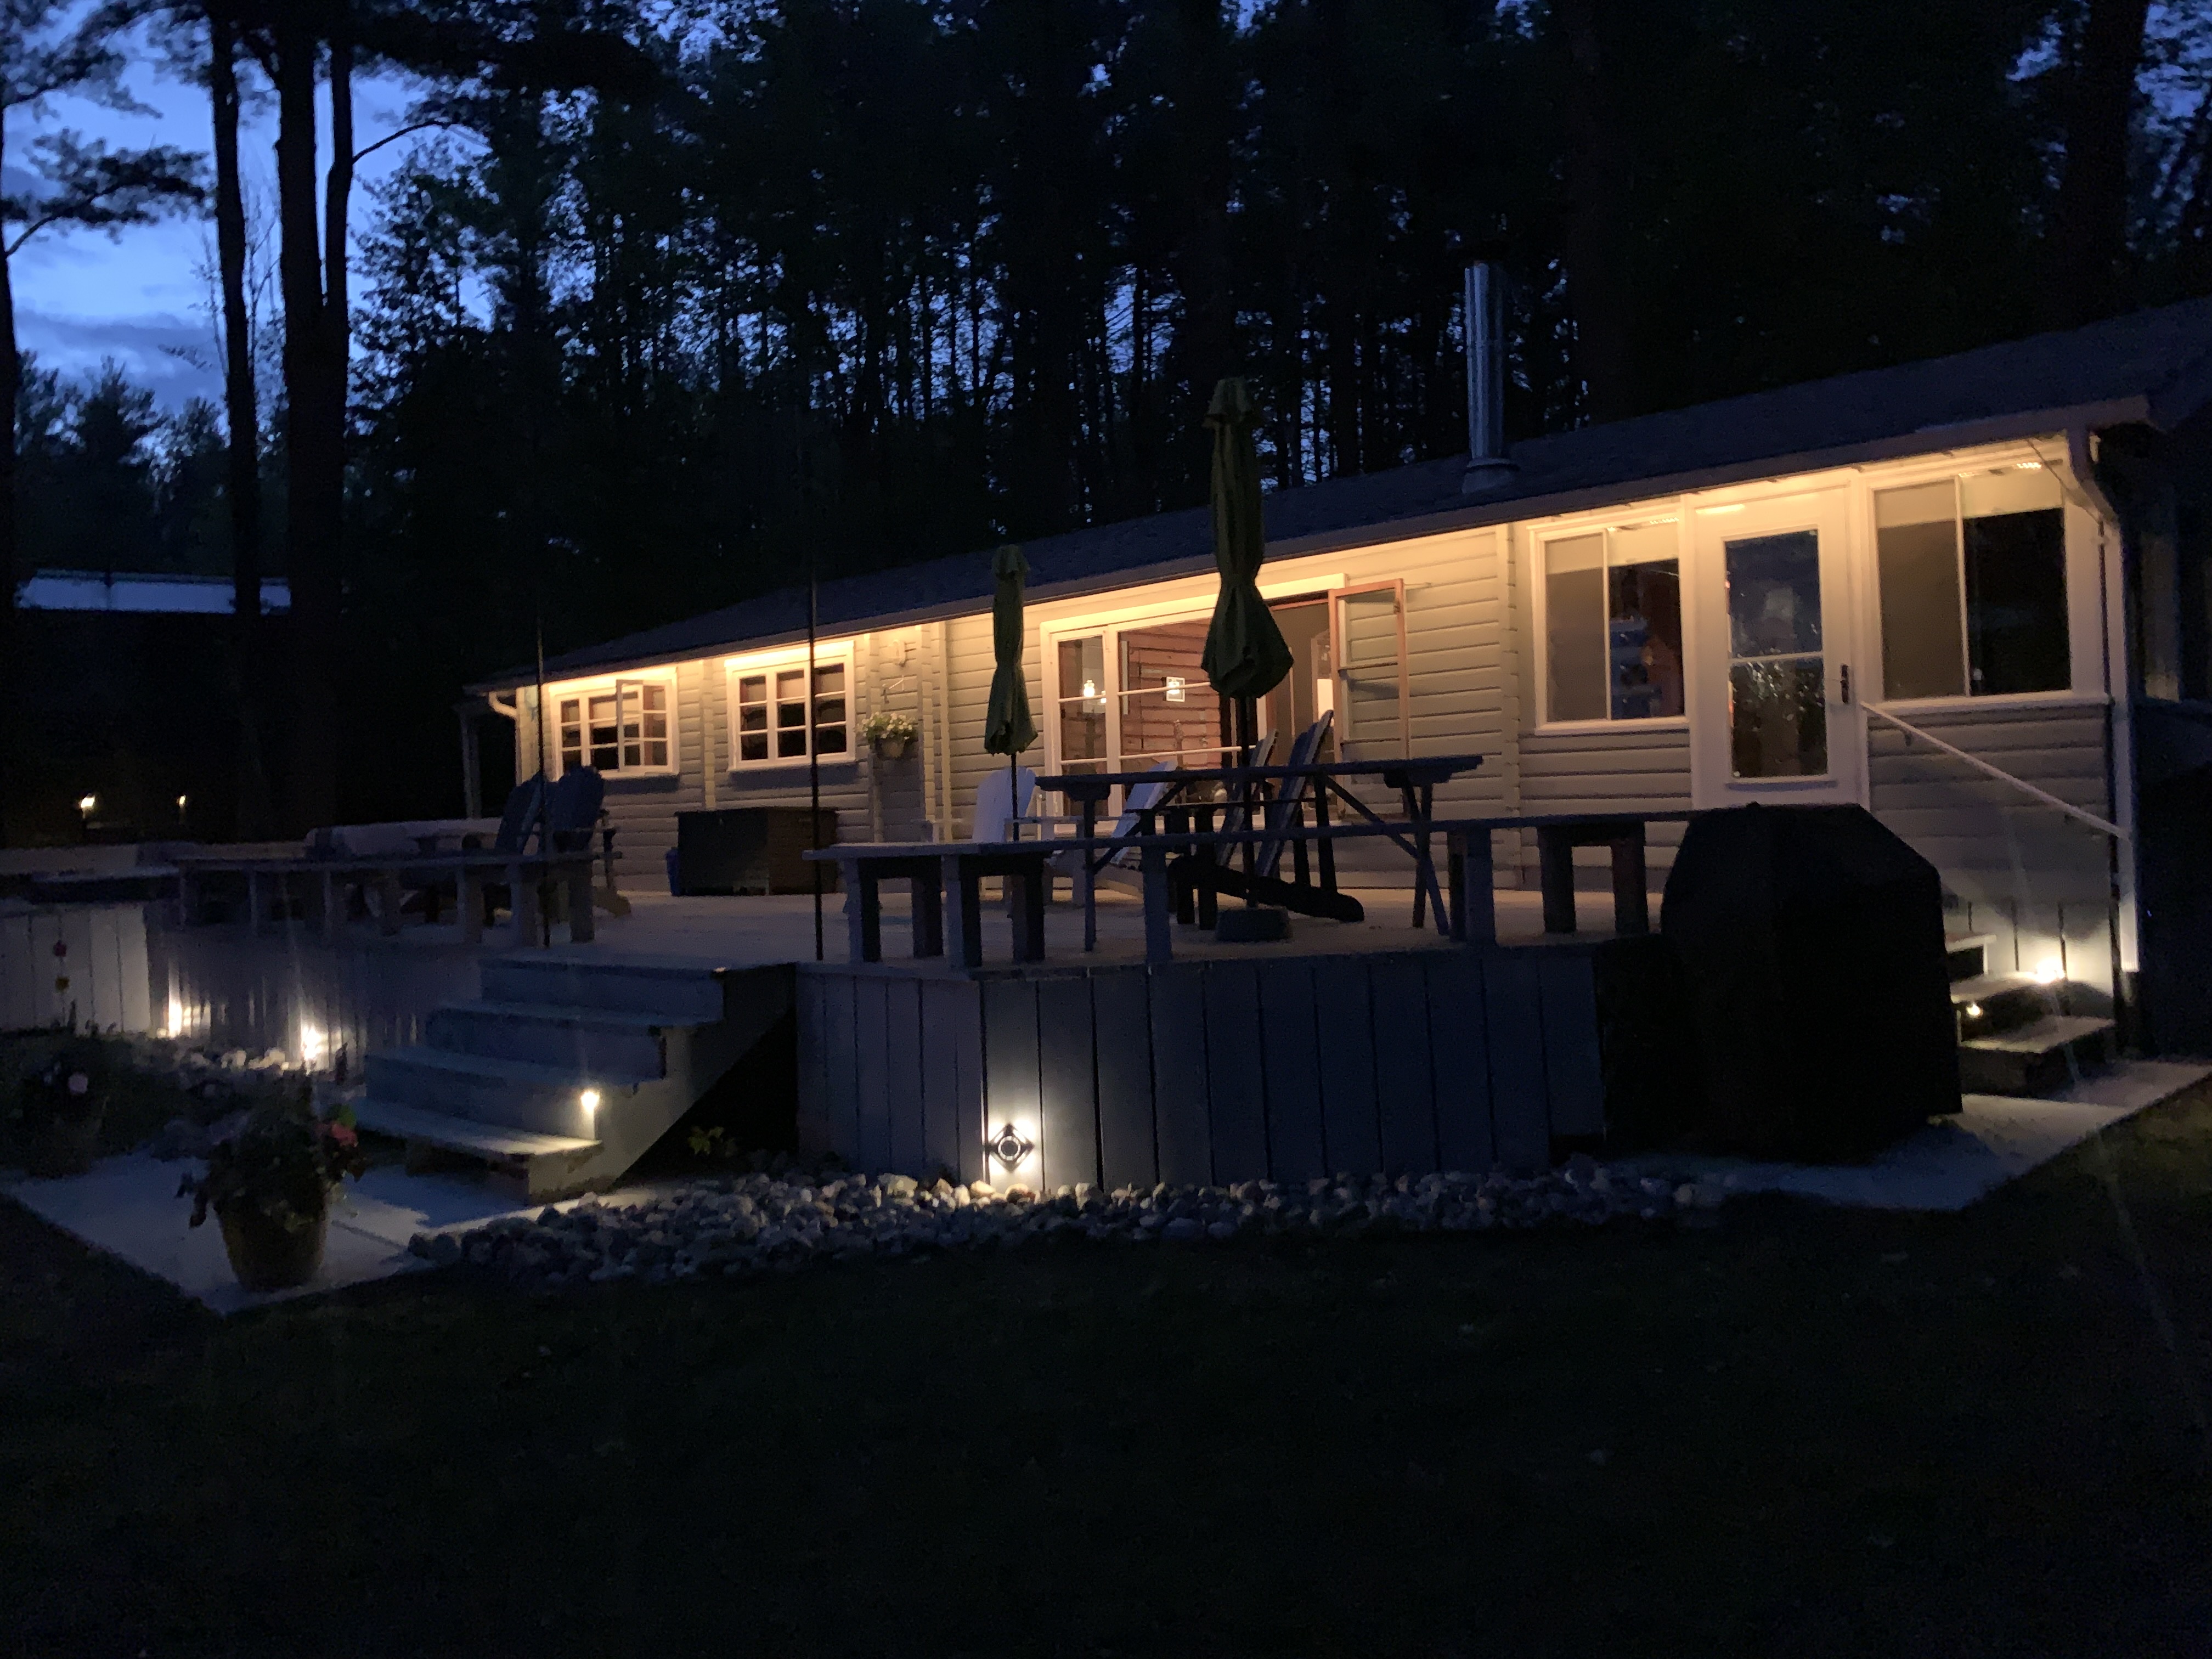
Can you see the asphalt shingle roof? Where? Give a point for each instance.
(2149, 365)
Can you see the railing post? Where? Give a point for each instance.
(1555, 866)
(1159, 934)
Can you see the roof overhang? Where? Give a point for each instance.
(1477, 513)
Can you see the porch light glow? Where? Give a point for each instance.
(1733, 506)
(2050, 971)
(2027, 466)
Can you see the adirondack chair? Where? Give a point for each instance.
(1265, 884)
(1001, 800)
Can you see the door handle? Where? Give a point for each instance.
(1843, 687)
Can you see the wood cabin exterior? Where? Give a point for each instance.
(1738, 602)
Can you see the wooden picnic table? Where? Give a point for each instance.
(946, 878)
(1415, 778)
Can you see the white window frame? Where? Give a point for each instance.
(767, 664)
(2084, 578)
(616, 685)
(1540, 534)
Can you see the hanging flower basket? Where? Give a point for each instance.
(891, 733)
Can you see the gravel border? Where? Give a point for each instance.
(737, 1225)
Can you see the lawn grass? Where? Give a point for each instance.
(1802, 1432)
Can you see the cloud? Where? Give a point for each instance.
(147, 346)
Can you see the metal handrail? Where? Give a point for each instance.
(1999, 774)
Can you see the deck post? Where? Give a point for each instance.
(1555, 865)
(257, 909)
(1473, 899)
(332, 912)
(1029, 918)
(389, 898)
(1631, 905)
(1159, 934)
(186, 912)
(468, 890)
(864, 914)
(963, 904)
(583, 927)
(928, 906)
(522, 898)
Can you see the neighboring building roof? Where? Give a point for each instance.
(143, 591)
(2150, 366)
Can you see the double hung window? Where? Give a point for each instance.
(1973, 586)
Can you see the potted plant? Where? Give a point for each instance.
(891, 733)
(59, 1111)
(269, 1182)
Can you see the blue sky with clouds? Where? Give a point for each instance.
(142, 297)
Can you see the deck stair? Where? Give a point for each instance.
(2016, 1037)
(563, 1073)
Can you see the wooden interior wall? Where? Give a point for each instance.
(1286, 1068)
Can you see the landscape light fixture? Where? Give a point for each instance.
(1011, 1147)
(85, 805)
(589, 1100)
(314, 1046)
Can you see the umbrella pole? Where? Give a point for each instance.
(1248, 739)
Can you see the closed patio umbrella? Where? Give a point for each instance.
(1008, 727)
(1245, 656)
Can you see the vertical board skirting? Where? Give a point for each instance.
(842, 1057)
(1459, 1059)
(1236, 1107)
(1177, 994)
(1124, 1059)
(1574, 1075)
(1290, 1042)
(1404, 1090)
(966, 1000)
(1066, 1082)
(910, 1141)
(946, 1127)
(1520, 1119)
(1011, 1078)
(1351, 1137)
(873, 1048)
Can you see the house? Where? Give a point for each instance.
(1963, 593)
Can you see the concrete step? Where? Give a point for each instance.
(1987, 1004)
(543, 1165)
(677, 990)
(617, 1041)
(514, 1094)
(2037, 1058)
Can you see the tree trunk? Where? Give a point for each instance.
(2089, 229)
(242, 413)
(314, 416)
(1597, 187)
(11, 380)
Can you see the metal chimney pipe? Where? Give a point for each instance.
(1484, 315)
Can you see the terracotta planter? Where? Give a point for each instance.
(65, 1148)
(265, 1255)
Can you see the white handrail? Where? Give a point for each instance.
(1999, 774)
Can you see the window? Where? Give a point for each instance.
(768, 721)
(1973, 586)
(1170, 710)
(1369, 647)
(1082, 696)
(621, 729)
(1777, 674)
(1613, 624)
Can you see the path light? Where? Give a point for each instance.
(1012, 1146)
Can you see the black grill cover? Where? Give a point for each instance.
(1811, 944)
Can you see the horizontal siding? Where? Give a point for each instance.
(1623, 770)
(1994, 844)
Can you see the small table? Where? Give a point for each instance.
(945, 879)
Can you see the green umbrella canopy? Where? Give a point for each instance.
(1007, 727)
(1245, 652)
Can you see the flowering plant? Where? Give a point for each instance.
(282, 1163)
(888, 728)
